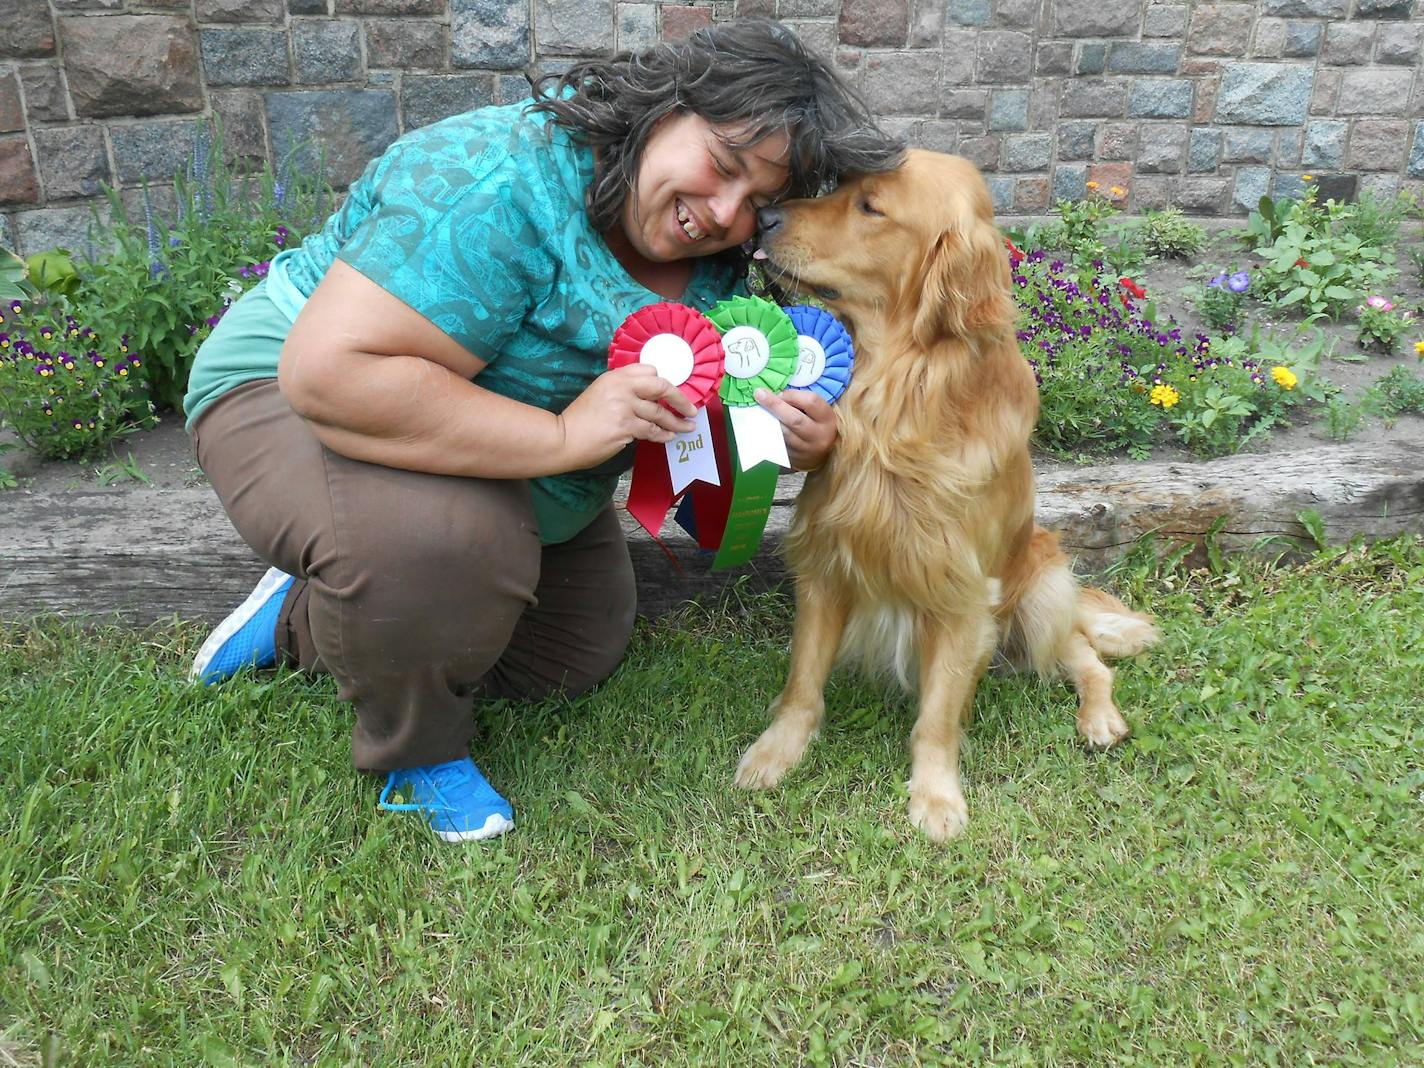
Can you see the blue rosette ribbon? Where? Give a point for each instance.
(827, 355)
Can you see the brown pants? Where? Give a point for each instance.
(417, 592)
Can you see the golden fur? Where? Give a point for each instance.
(914, 547)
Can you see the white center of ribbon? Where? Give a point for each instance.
(670, 355)
(810, 364)
(748, 351)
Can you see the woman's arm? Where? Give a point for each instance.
(379, 382)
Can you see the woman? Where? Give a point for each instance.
(411, 416)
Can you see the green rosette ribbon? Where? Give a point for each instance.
(760, 344)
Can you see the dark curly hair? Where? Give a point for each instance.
(752, 74)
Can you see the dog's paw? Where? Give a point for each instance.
(770, 757)
(1103, 730)
(940, 815)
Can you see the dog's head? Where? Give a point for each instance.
(915, 246)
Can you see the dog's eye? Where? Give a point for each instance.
(868, 208)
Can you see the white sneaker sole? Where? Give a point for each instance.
(494, 826)
(237, 620)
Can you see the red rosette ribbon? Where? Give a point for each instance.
(686, 349)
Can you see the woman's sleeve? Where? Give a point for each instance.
(457, 248)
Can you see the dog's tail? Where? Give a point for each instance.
(1112, 628)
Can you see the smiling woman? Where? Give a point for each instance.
(412, 419)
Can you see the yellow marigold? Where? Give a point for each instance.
(1118, 191)
(1165, 396)
(1092, 185)
(1307, 178)
(1284, 376)
(1419, 349)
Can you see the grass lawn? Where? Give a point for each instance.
(191, 877)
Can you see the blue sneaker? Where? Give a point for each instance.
(248, 637)
(455, 798)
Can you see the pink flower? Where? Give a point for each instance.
(1380, 303)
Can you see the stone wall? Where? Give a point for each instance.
(1203, 105)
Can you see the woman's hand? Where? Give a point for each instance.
(618, 408)
(808, 424)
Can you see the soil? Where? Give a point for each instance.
(164, 455)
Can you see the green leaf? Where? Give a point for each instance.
(1299, 293)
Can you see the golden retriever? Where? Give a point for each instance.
(914, 547)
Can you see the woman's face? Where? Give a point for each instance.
(695, 196)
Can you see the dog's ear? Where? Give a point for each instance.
(965, 285)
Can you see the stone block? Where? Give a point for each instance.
(1203, 151)
(1092, 58)
(637, 27)
(1221, 29)
(968, 104)
(1264, 94)
(327, 50)
(1397, 43)
(1160, 98)
(28, 30)
(983, 151)
(1375, 145)
(1327, 88)
(352, 126)
(19, 184)
(1252, 183)
(1053, 57)
(427, 98)
(511, 88)
(1024, 14)
(1093, 18)
(1164, 20)
(819, 37)
(970, 12)
(1028, 152)
(902, 83)
(1415, 168)
(680, 20)
(132, 65)
(1162, 149)
(1043, 107)
(937, 135)
(1374, 91)
(1008, 110)
(1092, 98)
(1151, 193)
(46, 98)
(155, 151)
(307, 7)
(1076, 140)
(926, 23)
(244, 57)
(492, 34)
(1203, 196)
(1070, 181)
(404, 44)
(1380, 186)
(1109, 177)
(1291, 186)
(1001, 191)
(1134, 57)
(389, 7)
(1288, 148)
(874, 23)
(1270, 40)
(1005, 56)
(960, 47)
(56, 228)
(1348, 43)
(1031, 196)
(573, 27)
(1116, 141)
(1248, 144)
(806, 9)
(761, 8)
(1303, 38)
(240, 10)
(12, 112)
(243, 126)
(1382, 9)
(1307, 9)
(1324, 145)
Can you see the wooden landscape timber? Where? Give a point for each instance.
(144, 553)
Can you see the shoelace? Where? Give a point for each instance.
(453, 776)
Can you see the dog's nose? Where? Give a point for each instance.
(769, 219)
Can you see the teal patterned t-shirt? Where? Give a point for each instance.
(478, 223)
